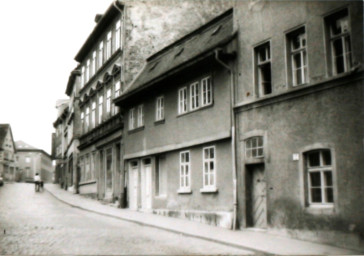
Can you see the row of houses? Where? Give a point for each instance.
(20, 161)
(252, 120)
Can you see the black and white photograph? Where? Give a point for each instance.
(182, 127)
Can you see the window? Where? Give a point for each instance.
(93, 115)
(194, 96)
(117, 35)
(87, 70)
(82, 122)
(101, 100)
(82, 76)
(298, 56)
(263, 69)
(338, 29)
(93, 67)
(87, 118)
(108, 101)
(117, 88)
(140, 116)
(160, 109)
(131, 119)
(206, 91)
(108, 45)
(254, 147)
(209, 168)
(182, 100)
(319, 177)
(101, 54)
(185, 167)
(161, 176)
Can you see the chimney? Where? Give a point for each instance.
(98, 17)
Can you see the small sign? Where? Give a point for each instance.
(296, 157)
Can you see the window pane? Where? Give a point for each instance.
(328, 178)
(338, 47)
(326, 156)
(315, 179)
(316, 195)
(187, 157)
(329, 195)
(212, 152)
(260, 152)
(260, 141)
(314, 159)
(206, 179)
(211, 166)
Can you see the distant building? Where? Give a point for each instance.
(32, 160)
(7, 153)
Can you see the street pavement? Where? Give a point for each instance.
(73, 224)
(34, 223)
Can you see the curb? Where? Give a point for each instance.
(256, 251)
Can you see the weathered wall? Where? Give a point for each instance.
(152, 25)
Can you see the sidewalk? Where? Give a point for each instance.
(254, 241)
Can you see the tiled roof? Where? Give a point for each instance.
(3, 131)
(206, 38)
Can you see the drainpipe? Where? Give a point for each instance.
(232, 124)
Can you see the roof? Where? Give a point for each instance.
(4, 128)
(21, 146)
(208, 37)
(99, 29)
(71, 80)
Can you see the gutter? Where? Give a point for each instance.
(232, 124)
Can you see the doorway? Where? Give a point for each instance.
(256, 196)
(146, 185)
(133, 179)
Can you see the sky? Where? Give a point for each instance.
(38, 42)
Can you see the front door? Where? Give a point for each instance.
(146, 187)
(256, 196)
(108, 174)
(133, 179)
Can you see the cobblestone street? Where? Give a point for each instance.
(36, 223)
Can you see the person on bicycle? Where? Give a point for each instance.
(37, 181)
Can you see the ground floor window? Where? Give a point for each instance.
(185, 167)
(209, 168)
(319, 174)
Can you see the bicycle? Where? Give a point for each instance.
(38, 186)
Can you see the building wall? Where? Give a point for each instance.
(177, 130)
(38, 163)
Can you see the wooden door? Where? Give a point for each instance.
(133, 185)
(146, 187)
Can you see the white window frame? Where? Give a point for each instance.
(184, 172)
(301, 52)
(108, 101)
(159, 110)
(117, 35)
(93, 114)
(82, 76)
(194, 96)
(206, 91)
(182, 100)
(101, 54)
(108, 45)
(87, 70)
(209, 185)
(344, 38)
(261, 63)
(132, 119)
(321, 169)
(117, 88)
(253, 151)
(101, 104)
(87, 119)
(140, 121)
(93, 64)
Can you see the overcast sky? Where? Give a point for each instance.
(39, 40)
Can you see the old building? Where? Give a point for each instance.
(299, 112)
(59, 144)
(7, 153)
(177, 135)
(32, 160)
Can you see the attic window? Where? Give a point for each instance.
(179, 52)
(154, 65)
(216, 30)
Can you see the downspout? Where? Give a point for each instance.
(232, 124)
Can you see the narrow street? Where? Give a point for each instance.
(36, 223)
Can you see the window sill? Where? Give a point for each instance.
(87, 182)
(209, 190)
(184, 191)
(136, 130)
(321, 209)
(158, 122)
(197, 109)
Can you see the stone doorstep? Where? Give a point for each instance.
(350, 241)
(219, 218)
